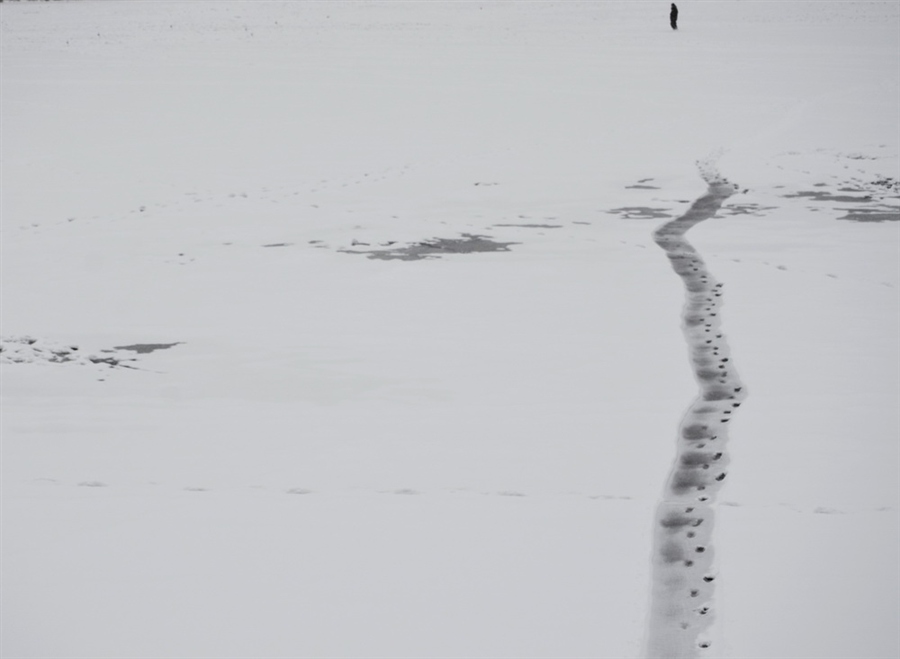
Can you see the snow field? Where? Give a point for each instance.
(459, 456)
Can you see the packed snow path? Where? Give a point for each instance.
(682, 585)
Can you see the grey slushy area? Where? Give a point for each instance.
(819, 195)
(877, 214)
(873, 195)
(531, 226)
(145, 348)
(641, 213)
(435, 248)
(756, 210)
(643, 184)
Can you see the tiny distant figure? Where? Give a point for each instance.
(673, 17)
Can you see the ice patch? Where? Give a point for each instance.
(435, 248)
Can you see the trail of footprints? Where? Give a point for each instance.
(682, 585)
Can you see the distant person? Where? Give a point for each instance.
(673, 17)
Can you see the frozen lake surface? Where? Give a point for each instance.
(339, 330)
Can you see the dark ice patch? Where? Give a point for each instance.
(888, 183)
(531, 226)
(817, 195)
(437, 247)
(145, 348)
(746, 209)
(876, 214)
(642, 184)
(641, 213)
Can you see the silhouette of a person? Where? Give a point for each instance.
(673, 17)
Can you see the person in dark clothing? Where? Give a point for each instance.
(673, 17)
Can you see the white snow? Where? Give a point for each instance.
(457, 456)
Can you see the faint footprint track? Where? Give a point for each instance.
(676, 519)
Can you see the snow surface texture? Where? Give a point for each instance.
(681, 605)
(450, 443)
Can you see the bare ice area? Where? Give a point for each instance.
(340, 330)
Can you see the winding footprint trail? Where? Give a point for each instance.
(682, 579)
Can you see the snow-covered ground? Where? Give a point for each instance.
(259, 401)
